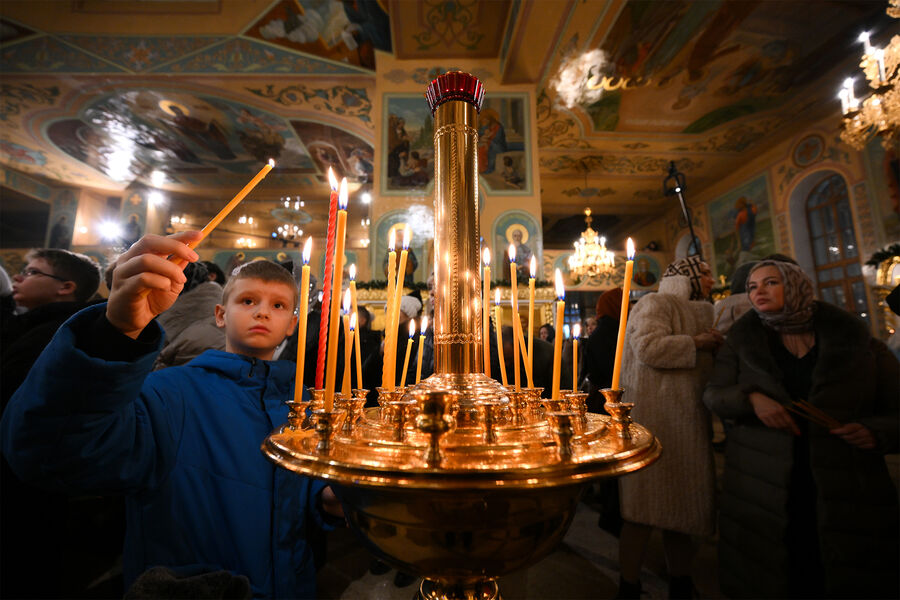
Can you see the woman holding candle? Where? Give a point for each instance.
(827, 525)
(668, 356)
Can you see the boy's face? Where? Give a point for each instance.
(257, 316)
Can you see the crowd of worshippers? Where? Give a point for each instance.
(131, 429)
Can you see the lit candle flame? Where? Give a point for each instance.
(486, 256)
(307, 250)
(407, 234)
(342, 195)
(353, 322)
(512, 253)
(332, 180)
(560, 286)
(272, 162)
(630, 249)
(576, 330)
(533, 266)
(412, 328)
(497, 296)
(347, 301)
(352, 272)
(392, 240)
(424, 324)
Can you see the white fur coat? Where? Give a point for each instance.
(664, 375)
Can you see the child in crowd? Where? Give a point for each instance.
(182, 443)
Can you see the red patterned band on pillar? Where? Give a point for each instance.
(454, 85)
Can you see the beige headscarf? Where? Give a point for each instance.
(799, 299)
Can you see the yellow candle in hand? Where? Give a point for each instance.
(234, 202)
(623, 315)
(498, 326)
(348, 347)
(485, 311)
(339, 239)
(515, 314)
(389, 306)
(557, 341)
(409, 342)
(421, 347)
(302, 310)
(576, 333)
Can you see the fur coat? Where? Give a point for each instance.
(664, 375)
(855, 379)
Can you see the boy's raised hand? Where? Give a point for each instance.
(145, 282)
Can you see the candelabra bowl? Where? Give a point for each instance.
(464, 503)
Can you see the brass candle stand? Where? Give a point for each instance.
(458, 479)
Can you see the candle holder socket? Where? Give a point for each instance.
(534, 403)
(619, 411)
(434, 420)
(490, 415)
(518, 405)
(317, 403)
(562, 426)
(327, 424)
(296, 414)
(577, 403)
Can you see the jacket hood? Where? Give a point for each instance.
(676, 285)
(238, 366)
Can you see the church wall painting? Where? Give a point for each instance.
(420, 221)
(407, 162)
(61, 223)
(522, 230)
(350, 156)
(504, 156)
(741, 226)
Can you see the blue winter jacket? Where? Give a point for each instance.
(184, 444)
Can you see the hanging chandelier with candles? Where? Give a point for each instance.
(877, 114)
(591, 258)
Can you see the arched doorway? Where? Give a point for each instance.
(835, 252)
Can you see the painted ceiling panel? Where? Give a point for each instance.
(140, 53)
(441, 28)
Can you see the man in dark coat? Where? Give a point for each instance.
(54, 285)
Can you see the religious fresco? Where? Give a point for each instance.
(420, 221)
(18, 153)
(339, 99)
(646, 272)
(141, 53)
(329, 146)
(884, 166)
(522, 230)
(436, 28)
(128, 134)
(407, 157)
(348, 31)
(61, 222)
(504, 158)
(741, 226)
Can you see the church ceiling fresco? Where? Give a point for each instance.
(707, 84)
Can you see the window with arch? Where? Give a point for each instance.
(835, 252)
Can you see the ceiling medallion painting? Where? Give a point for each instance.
(448, 28)
(128, 135)
(347, 32)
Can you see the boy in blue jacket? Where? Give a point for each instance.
(182, 443)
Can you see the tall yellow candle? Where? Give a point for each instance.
(389, 305)
(302, 310)
(498, 326)
(422, 331)
(334, 314)
(557, 341)
(576, 333)
(354, 329)
(623, 315)
(530, 358)
(409, 342)
(354, 310)
(398, 292)
(348, 346)
(515, 314)
(486, 311)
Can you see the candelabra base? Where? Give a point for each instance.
(482, 589)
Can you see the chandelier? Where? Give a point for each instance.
(878, 114)
(591, 258)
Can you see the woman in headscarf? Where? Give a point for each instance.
(808, 510)
(667, 359)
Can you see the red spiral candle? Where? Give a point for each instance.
(326, 282)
